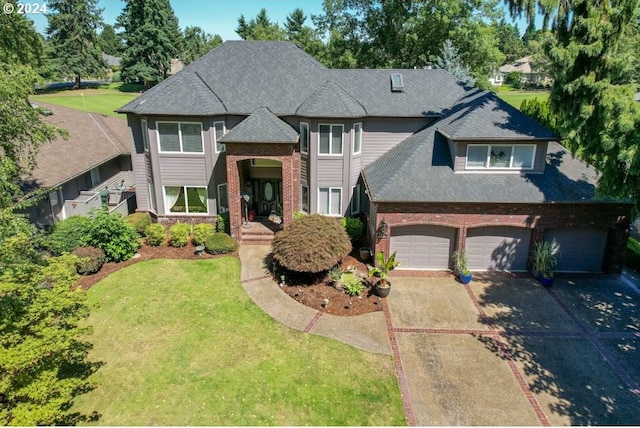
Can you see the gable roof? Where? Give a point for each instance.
(262, 126)
(93, 140)
(520, 65)
(481, 115)
(241, 76)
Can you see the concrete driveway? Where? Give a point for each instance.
(506, 351)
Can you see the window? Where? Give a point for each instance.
(355, 200)
(304, 137)
(500, 156)
(304, 197)
(219, 131)
(95, 177)
(180, 137)
(330, 139)
(330, 201)
(145, 135)
(185, 199)
(397, 84)
(223, 198)
(357, 138)
(53, 198)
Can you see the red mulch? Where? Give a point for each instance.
(340, 303)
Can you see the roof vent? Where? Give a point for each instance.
(397, 85)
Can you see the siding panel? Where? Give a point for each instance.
(140, 177)
(330, 172)
(381, 134)
(183, 170)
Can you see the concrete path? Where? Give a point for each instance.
(501, 351)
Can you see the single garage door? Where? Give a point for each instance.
(581, 248)
(498, 248)
(423, 246)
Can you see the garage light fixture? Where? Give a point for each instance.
(382, 229)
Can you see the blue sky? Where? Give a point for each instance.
(216, 16)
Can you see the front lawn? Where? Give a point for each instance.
(103, 100)
(183, 344)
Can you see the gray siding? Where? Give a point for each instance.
(182, 170)
(330, 173)
(140, 177)
(381, 134)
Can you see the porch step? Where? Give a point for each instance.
(258, 233)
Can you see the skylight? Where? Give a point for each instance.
(397, 85)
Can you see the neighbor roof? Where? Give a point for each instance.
(521, 65)
(261, 126)
(93, 140)
(242, 76)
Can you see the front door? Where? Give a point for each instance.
(268, 195)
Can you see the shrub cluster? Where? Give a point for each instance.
(222, 223)
(155, 234)
(220, 243)
(112, 235)
(67, 235)
(313, 243)
(179, 234)
(90, 260)
(354, 227)
(201, 232)
(139, 222)
(352, 284)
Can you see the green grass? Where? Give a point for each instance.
(103, 100)
(183, 344)
(515, 98)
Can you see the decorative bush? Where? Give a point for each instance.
(112, 235)
(220, 243)
(179, 234)
(155, 234)
(139, 222)
(67, 235)
(299, 214)
(90, 260)
(201, 232)
(352, 284)
(313, 243)
(222, 223)
(354, 227)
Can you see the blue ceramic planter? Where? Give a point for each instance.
(465, 279)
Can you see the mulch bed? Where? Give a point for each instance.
(313, 295)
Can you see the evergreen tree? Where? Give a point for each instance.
(197, 42)
(72, 31)
(450, 60)
(509, 41)
(153, 39)
(243, 30)
(110, 42)
(302, 35)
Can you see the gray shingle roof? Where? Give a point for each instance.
(239, 77)
(262, 126)
(482, 115)
(419, 170)
(331, 101)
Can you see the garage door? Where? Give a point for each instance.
(581, 248)
(498, 248)
(422, 247)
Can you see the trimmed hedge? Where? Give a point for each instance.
(112, 235)
(354, 227)
(67, 235)
(155, 234)
(222, 223)
(312, 244)
(220, 243)
(179, 234)
(201, 232)
(90, 260)
(139, 222)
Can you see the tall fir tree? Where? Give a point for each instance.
(110, 42)
(152, 38)
(197, 42)
(72, 31)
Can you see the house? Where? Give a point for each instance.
(432, 166)
(96, 155)
(528, 73)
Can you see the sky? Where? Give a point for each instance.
(217, 16)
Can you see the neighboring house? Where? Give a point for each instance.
(112, 61)
(96, 155)
(432, 166)
(528, 73)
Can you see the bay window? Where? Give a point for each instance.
(330, 139)
(181, 137)
(185, 200)
(330, 201)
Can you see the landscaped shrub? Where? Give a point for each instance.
(67, 235)
(155, 234)
(112, 235)
(179, 234)
(201, 232)
(139, 222)
(313, 243)
(90, 260)
(220, 243)
(354, 227)
(222, 223)
(352, 284)
(299, 214)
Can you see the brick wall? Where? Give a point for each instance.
(538, 217)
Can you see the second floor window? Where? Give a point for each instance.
(184, 137)
(330, 139)
(304, 137)
(219, 132)
(498, 156)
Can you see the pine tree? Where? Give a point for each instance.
(450, 60)
(197, 42)
(109, 41)
(72, 31)
(153, 39)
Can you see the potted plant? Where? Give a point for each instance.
(543, 260)
(365, 254)
(460, 261)
(383, 286)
